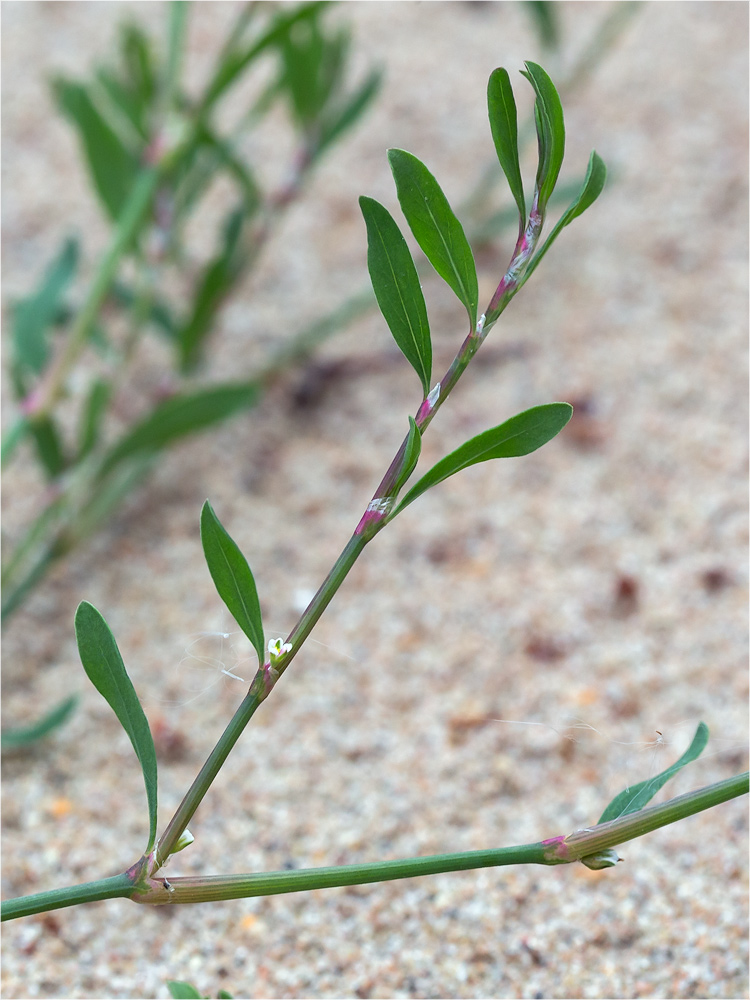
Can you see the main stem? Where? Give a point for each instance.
(207, 773)
(558, 850)
(260, 688)
(578, 846)
(374, 518)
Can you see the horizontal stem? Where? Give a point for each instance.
(558, 850)
(117, 887)
(209, 888)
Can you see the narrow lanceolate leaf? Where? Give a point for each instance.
(550, 131)
(435, 227)
(232, 577)
(23, 736)
(113, 167)
(396, 284)
(352, 109)
(592, 187)
(520, 435)
(180, 990)
(635, 797)
(179, 416)
(411, 454)
(102, 662)
(33, 316)
(504, 126)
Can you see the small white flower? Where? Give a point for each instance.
(278, 648)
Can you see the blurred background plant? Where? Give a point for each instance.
(154, 156)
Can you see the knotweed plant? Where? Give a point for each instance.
(397, 289)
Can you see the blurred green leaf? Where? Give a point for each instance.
(545, 20)
(218, 278)
(33, 315)
(348, 114)
(520, 435)
(233, 578)
(504, 127)
(235, 61)
(183, 414)
(435, 227)
(160, 313)
(13, 739)
(635, 797)
(49, 446)
(103, 664)
(313, 66)
(113, 167)
(94, 411)
(139, 68)
(593, 183)
(396, 284)
(226, 157)
(180, 990)
(550, 124)
(124, 106)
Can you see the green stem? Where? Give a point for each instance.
(128, 225)
(577, 846)
(117, 887)
(259, 691)
(617, 831)
(558, 850)
(323, 597)
(210, 769)
(211, 888)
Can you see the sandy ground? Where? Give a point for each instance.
(603, 579)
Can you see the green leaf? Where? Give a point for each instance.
(218, 278)
(335, 125)
(113, 167)
(102, 662)
(396, 284)
(313, 66)
(159, 313)
(504, 126)
(550, 131)
(411, 454)
(233, 578)
(183, 991)
(49, 446)
(520, 435)
(181, 415)
(236, 62)
(140, 72)
(224, 155)
(21, 737)
(435, 227)
(94, 412)
(33, 316)
(546, 22)
(635, 797)
(593, 183)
